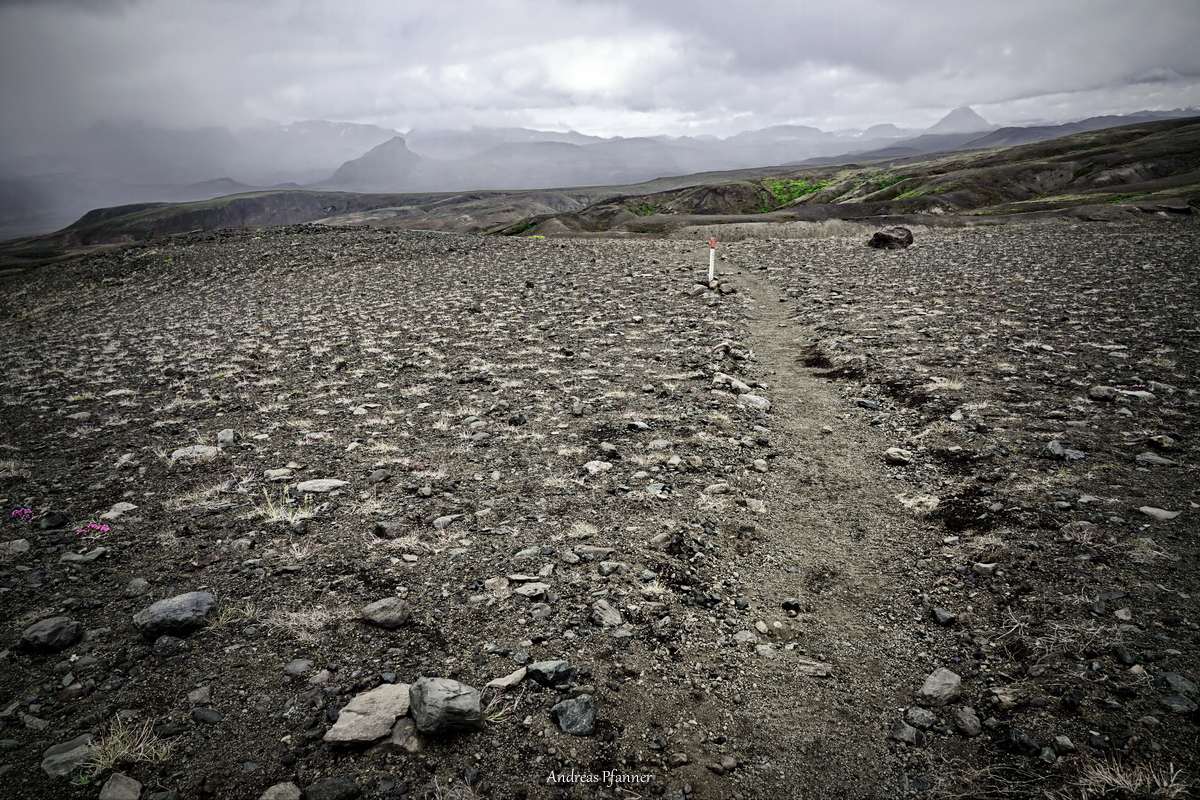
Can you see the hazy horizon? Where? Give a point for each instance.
(613, 68)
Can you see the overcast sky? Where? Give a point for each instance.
(605, 67)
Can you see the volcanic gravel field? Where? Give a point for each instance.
(847, 523)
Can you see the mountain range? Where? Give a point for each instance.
(109, 165)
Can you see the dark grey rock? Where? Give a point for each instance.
(179, 615)
(332, 789)
(1177, 704)
(441, 705)
(1103, 393)
(921, 718)
(1175, 683)
(891, 239)
(943, 617)
(298, 666)
(51, 635)
(550, 673)
(903, 732)
(1055, 450)
(52, 521)
(167, 646)
(1018, 742)
(967, 722)
(389, 530)
(66, 757)
(576, 716)
(206, 716)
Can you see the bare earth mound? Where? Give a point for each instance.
(853, 523)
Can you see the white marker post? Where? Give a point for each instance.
(712, 258)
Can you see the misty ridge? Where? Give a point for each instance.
(110, 165)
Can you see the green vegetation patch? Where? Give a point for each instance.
(786, 191)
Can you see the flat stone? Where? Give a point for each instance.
(332, 789)
(136, 588)
(509, 680)
(371, 715)
(14, 547)
(534, 589)
(896, 455)
(1103, 393)
(1153, 459)
(390, 612)
(120, 787)
(320, 485)
(1177, 704)
(1175, 683)
(441, 705)
(754, 401)
(51, 635)
(197, 451)
(939, 688)
(576, 716)
(597, 467)
(63, 759)
(177, 615)
(1159, 513)
(298, 666)
(278, 476)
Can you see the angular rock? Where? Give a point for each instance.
(63, 759)
(576, 716)
(896, 455)
(604, 615)
(939, 688)
(1178, 704)
(441, 705)
(179, 615)
(920, 718)
(1055, 450)
(1174, 683)
(895, 238)
(967, 722)
(550, 673)
(390, 612)
(1103, 393)
(120, 787)
(1018, 742)
(371, 715)
(1153, 459)
(389, 530)
(51, 635)
(903, 732)
(508, 681)
(227, 437)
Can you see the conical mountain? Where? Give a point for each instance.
(961, 120)
(388, 167)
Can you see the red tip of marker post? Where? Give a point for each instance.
(713, 243)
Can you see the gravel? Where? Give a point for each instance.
(728, 533)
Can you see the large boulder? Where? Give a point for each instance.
(51, 635)
(441, 705)
(891, 239)
(177, 615)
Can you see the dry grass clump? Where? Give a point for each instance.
(306, 623)
(126, 742)
(1098, 778)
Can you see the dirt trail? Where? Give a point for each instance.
(834, 537)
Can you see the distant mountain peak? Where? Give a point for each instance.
(961, 120)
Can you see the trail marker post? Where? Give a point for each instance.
(712, 259)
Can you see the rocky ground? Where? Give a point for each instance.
(849, 523)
